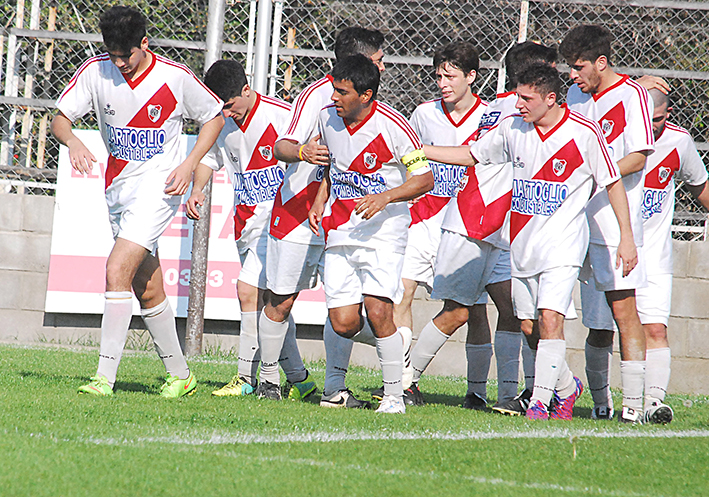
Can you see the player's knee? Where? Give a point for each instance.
(600, 338)
(655, 333)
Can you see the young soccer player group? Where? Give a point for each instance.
(518, 198)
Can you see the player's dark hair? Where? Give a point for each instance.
(356, 40)
(361, 71)
(226, 78)
(123, 28)
(523, 54)
(542, 77)
(460, 54)
(586, 42)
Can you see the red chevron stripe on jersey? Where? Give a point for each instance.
(242, 213)
(156, 110)
(113, 169)
(613, 122)
(286, 217)
(493, 214)
(372, 157)
(427, 207)
(341, 210)
(663, 172)
(263, 153)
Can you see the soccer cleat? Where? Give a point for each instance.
(237, 386)
(515, 407)
(407, 373)
(474, 401)
(413, 396)
(268, 390)
(300, 389)
(537, 410)
(392, 405)
(378, 394)
(602, 412)
(174, 387)
(98, 386)
(658, 413)
(630, 416)
(344, 398)
(564, 408)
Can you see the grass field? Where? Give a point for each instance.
(56, 443)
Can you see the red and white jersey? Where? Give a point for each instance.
(482, 203)
(140, 120)
(435, 126)
(289, 220)
(247, 152)
(366, 160)
(675, 157)
(554, 175)
(624, 112)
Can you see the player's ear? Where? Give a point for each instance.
(601, 63)
(470, 77)
(669, 111)
(144, 43)
(246, 91)
(550, 98)
(366, 97)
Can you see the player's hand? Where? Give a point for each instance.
(627, 255)
(315, 153)
(415, 200)
(370, 205)
(315, 217)
(179, 180)
(654, 83)
(80, 157)
(193, 204)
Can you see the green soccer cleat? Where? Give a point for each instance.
(174, 387)
(98, 386)
(236, 387)
(301, 389)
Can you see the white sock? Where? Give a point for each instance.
(565, 385)
(337, 358)
(529, 358)
(632, 377)
(550, 356)
(290, 359)
(366, 335)
(117, 314)
(249, 353)
(598, 373)
(478, 357)
(657, 374)
(271, 335)
(390, 352)
(160, 321)
(407, 372)
(428, 344)
(507, 346)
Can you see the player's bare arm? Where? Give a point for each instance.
(627, 252)
(80, 157)
(201, 176)
(412, 188)
(316, 211)
(654, 83)
(456, 156)
(180, 177)
(313, 152)
(632, 163)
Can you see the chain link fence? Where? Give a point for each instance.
(42, 43)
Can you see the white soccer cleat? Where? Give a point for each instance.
(658, 413)
(630, 416)
(407, 372)
(392, 405)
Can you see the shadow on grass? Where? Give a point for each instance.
(76, 380)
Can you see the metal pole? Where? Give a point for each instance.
(11, 89)
(275, 42)
(250, 41)
(200, 232)
(263, 29)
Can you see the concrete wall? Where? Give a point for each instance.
(25, 235)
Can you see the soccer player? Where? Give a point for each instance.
(623, 109)
(245, 147)
(140, 100)
(294, 252)
(675, 156)
(556, 156)
(366, 218)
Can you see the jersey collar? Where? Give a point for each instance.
(466, 116)
(246, 122)
(544, 136)
(133, 83)
(623, 79)
(352, 131)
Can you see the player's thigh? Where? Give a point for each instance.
(253, 258)
(292, 267)
(653, 301)
(551, 289)
(341, 280)
(605, 274)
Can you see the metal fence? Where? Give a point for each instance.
(43, 42)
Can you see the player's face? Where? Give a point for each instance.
(348, 102)
(659, 119)
(453, 82)
(531, 104)
(128, 63)
(238, 107)
(586, 75)
(378, 59)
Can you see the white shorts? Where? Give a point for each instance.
(142, 218)
(420, 256)
(653, 301)
(551, 289)
(292, 267)
(352, 272)
(253, 262)
(604, 273)
(501, 272)
(463, 268)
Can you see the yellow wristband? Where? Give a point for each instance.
(300, 152)
(415, 160)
